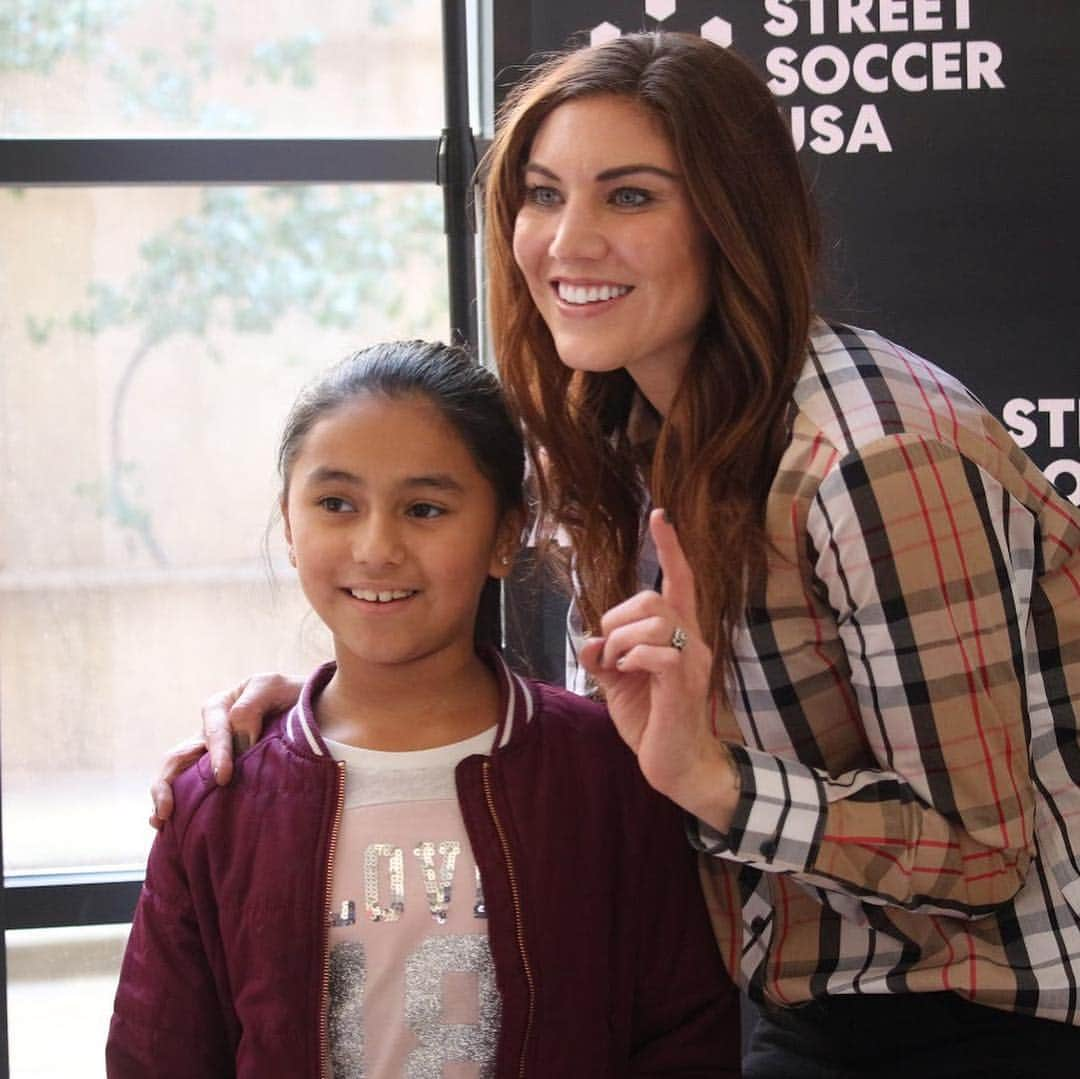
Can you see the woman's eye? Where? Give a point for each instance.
(630, 197)
(541, 196)
(333, 504)
(425, 510)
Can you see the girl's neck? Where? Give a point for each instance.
(403, 707)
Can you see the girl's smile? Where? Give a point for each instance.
(383, 596)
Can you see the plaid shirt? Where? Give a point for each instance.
(906, 699)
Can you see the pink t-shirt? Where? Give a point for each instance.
(412, 982)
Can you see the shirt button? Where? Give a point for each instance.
(757, 926)
(768, 848)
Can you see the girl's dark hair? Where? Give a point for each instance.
(720, 444)
(466, 394)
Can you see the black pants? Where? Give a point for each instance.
(914, 1036)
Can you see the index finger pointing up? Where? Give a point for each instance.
(678, 583)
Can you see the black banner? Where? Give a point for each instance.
(940, 139)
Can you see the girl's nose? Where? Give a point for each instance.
(579, 234)
(377, 541)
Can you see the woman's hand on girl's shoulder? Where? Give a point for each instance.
(232, 723)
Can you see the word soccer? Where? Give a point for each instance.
(911, 66)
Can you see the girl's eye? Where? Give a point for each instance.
(425, 510)
(333, 504)
(541, 196)
(630, 197)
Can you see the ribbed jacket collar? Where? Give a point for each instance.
(517, 705)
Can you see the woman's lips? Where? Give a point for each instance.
(582, 295)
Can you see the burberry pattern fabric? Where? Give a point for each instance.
(906, 693)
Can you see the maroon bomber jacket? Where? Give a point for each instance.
(603, 953)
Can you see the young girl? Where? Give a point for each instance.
(428, 866)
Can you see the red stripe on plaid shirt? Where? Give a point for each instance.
(943, 584)
(983, 666)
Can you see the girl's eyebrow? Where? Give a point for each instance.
(441, 481)
(324, 474)
(615, 173)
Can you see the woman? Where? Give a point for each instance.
(862, 678)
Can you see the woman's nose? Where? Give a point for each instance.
(579, 234)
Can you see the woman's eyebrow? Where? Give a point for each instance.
(628, 170)
(615, 173)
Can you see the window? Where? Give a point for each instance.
(139, 68)
(203, 204)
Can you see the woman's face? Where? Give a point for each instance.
(612, 250)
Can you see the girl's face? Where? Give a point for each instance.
(394, 530)
(612, 251)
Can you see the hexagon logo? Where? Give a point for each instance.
(604, 32)
(717, 30)
(659, 9)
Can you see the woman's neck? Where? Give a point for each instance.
(659, 393)
(434, 701)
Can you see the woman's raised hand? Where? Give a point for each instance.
(232, 722)
(655, 670)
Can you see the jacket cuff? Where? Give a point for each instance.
(780, 817)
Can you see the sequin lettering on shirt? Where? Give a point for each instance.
(479, 909)
(348, 973)
(375, 855)
(441, 1040)
(438, 884)
(346, 914)
(407, 998)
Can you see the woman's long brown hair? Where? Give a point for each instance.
(719, 446)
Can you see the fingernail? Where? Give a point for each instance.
(620, 661)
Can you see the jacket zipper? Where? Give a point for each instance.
(515, 895)
(331, 852)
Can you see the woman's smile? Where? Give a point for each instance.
(591, 294)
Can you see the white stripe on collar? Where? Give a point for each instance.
(309, 734)
(514, 685)
(511, 700)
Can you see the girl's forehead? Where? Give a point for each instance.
(381, 437)
(372, 409)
